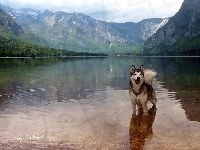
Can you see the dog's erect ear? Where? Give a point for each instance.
(132, 70)
(142, 68)
(133, 67)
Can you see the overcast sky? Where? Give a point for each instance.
(112, 10)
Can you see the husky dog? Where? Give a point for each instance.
(141, 90)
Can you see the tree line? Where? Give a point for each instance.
(11, 48)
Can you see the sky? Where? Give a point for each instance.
(112, 10)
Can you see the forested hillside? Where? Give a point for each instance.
(180, 36)
(11, 48)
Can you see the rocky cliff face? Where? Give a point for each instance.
(76, 31)
(149, 26)
(180, 30)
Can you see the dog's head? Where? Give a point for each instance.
(137, 75)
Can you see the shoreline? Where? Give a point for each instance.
(96, 57)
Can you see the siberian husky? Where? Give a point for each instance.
(141, 90)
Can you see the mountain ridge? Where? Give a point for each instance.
(79, 32)
(8, 25)
(180, 35)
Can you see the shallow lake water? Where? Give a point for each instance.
(83, 104)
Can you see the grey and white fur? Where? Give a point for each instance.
(141, 90)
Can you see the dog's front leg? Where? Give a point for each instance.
(145, 108)
(143, 101)
(133, 102)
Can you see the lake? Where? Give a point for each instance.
(83, 104)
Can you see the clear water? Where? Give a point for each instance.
(83, 103)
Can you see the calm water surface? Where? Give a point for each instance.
(83, 104)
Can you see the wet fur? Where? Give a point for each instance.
(141, 90)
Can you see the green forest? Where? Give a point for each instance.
(187, 47)
(12, 48)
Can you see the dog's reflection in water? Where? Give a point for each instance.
(141, 128)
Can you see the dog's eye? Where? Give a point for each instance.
(135, 74)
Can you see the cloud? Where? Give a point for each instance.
(112, 10)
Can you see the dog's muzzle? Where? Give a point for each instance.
(137, 81)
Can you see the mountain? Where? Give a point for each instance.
(8, 26)
(10, 29)
(15, 42)
(79, 32)
(180, 35)
(149, 26)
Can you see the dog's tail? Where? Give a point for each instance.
(149, 75)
